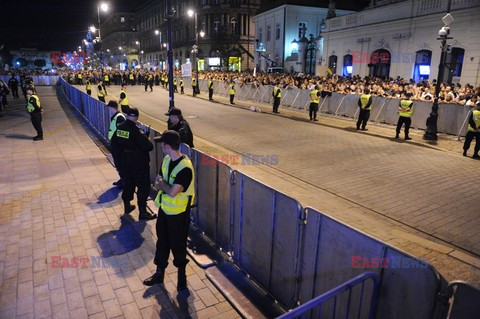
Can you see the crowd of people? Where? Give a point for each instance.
(390, 88)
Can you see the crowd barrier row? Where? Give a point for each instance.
(295, 253)
(37, 79)
(451, 119)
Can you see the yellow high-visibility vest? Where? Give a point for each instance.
(101, 92)
(88, 86)
(113, 125)
(178, 204)
(476, 119)
(125, 100)
(275, 90)
(406, 104)
(232, 89)
(314, 97)
(364, 98)
(30, 106)
(106, 78)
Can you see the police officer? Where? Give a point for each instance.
(365, 105)
(277, 96)
(35, 110)
(106, 78)
(194, 86)
(177, 123)
(135, 146)
(131, 78)
(175, 90)
(101, 91)
(210, 89)
(80, 78)
(231, 91)
(123, 101)
(88, 87)
(116, 118)
(473, 132)
(314, 100)
(13, 85)
(176, 194)
(182, 87)
(149, 82)
(405, 110)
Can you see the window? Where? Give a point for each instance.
(277, 32)
(421, 69)
(302, 29)
(269, 33)
(233, 21)
(216, 25)
(122, 19)
(260, 35)
(454, 64)
(347, 65)
(332, 63)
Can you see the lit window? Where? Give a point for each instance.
(122, 19)
(302, 29)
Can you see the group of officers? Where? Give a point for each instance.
(130, 147)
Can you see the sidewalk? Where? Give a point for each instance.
(57, 199)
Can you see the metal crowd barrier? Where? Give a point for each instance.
(37, 79)
(297, 254)
(464, 301)
(319, 307)
(385, 110)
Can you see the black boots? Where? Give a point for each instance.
(182, 279)
(146, 215)
(128, 208)
(156, 278)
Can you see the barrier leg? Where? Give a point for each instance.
(355, 115)
(283, 97)
(341, 102)
(379, 112)
(321, 105)
(464, 122)
(293, 103)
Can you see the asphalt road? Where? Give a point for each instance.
(433, 191)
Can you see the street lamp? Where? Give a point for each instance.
(192, 13)
(170, 12)
(104, 7)
(431, 131)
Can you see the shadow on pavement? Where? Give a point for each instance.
(126, 239)
(168, 307)
(109, 195)
(18, 136)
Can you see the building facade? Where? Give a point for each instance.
(120, 44)
(31, 58)
(226, 25)
(289, 36)
(395, 38)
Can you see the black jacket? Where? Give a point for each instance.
(183, 129)
(134, 146)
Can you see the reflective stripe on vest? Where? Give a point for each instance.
(178, 204)
(405, 104)
(314, 97)
(232, 89)
(364, 98)
(113, 125)
(30, 106)
(476, 119)
(125, 100)
(275, 90)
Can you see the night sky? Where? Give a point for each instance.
(54, 25)
(50, 24)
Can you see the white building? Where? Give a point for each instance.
(282, 37)
(399, 38)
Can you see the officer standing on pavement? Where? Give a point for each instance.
(365, 105)
(194, 86)
(88, 87)
(277, 96)
(177, 123)
(231, 91)
(314, 100)
(35, 110)
(405, 110)
(116, 118)
(175, 90)
(149, 82)
(182, 87)
(135, 146)
(473, 132)
(101, 91)
(13, 85)
(123, 101)
(210, 89)
(176, 194)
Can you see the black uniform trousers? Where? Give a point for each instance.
(36, 118)
(182, 91)
(232, 97)
(135, 177)
(404, 120)
(276, 104)
(210, 94)
(172, 233)
(89, 92)
(363, 118)
(312, 111)
(117, 160)
(14, 91)
(194, 90)
(101, 98)
(468, 140)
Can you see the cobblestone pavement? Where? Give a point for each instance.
(56, 199)
(419, 199)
